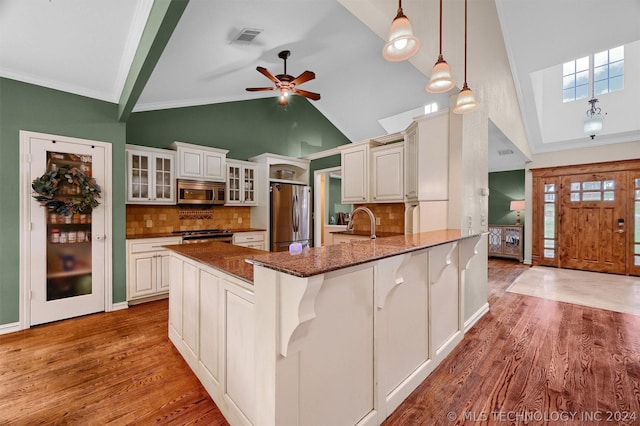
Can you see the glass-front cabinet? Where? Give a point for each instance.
(241, 183)
(150, 176)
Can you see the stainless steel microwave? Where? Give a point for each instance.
(199, 192)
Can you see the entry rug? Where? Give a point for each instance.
(616, 293)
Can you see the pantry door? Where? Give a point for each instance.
(67, 254)
(593, 222)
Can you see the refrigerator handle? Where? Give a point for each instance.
(295, 217)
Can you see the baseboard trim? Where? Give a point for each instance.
(119, 306)
(475, 317)
(10, 327)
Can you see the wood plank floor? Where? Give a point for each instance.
(528, 357)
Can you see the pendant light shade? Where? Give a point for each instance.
(402, 44)
(441, 80)
(466, 101)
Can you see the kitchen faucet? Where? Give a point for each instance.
(373, 220)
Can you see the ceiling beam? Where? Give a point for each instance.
(163, 18)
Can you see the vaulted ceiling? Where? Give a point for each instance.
(87, 47)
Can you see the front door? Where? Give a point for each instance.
(593, 222)
(67, 252)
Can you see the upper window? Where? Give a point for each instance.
(606, 73)
(575, 79)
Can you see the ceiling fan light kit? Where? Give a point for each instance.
(466, 101)
(285, 83)
(402, 44)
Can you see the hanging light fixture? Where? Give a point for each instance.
(466, 101)
(441, 80)
(402, 44)
(593, 122)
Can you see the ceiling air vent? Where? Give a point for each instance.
(507, 151)
(246, 35)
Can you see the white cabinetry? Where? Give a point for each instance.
(241, 183)
(200, 162)
(148, 267)
(253, 239)
(387, 173)
(150, 175)
(427, 158)
(355, 173)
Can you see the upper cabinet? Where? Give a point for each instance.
(387, 173)
(426, 158)
(355, 173)
(200, 162)
(241, 183)
(150, 175)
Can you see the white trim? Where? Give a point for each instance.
(10, 328)
(25, 216)
(322, 154)
(317, 205)
(119, 306)
(475, 317)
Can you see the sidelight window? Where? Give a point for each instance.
(636, 222)
(549, 227)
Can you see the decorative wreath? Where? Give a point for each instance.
(83, 200)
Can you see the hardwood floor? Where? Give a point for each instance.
(527, 357)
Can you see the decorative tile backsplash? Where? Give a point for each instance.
(143, 220)
(391, 217)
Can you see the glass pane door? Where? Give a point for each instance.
(68, 236)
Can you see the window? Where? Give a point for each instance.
(549, 226)
(593, 191)
(608, 71)
(429, 108)
(575, 79)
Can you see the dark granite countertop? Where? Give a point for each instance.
(367, 233)
(171, 234)
(222, 256)
(315, 261)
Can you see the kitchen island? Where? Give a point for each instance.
(336, 335)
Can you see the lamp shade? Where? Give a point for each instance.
(517, 205)
(402, 44)
(441, 80)
(466, 101)
(593, 125)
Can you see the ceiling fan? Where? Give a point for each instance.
(286, 83)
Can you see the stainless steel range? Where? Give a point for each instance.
(203, 235)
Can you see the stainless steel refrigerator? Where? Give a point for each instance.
(290, 215)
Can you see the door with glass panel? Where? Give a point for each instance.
(593, 222)
(67, 250)
(634, 229)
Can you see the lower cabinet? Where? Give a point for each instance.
(253, 239)
(148, 267)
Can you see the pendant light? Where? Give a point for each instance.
(402, 44)
(466, 101)
(441, 80)
(594, 120)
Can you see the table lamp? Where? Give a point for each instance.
(517, 205)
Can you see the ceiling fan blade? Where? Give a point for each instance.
(258, 89)
(307, 94)
(267, 74)
(305, 76)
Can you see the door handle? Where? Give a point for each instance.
(619, 231)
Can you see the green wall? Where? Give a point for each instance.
(245, 128)
(505, 187)
(28, 107)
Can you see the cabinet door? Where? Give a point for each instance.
(143, 274)
(387, 173)
(139, 176)
(355, 175)
(249, 185)
(191, 163)
(234, 183)
(162, 271)
(164, 180)
(214, 165)
(411, 165)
